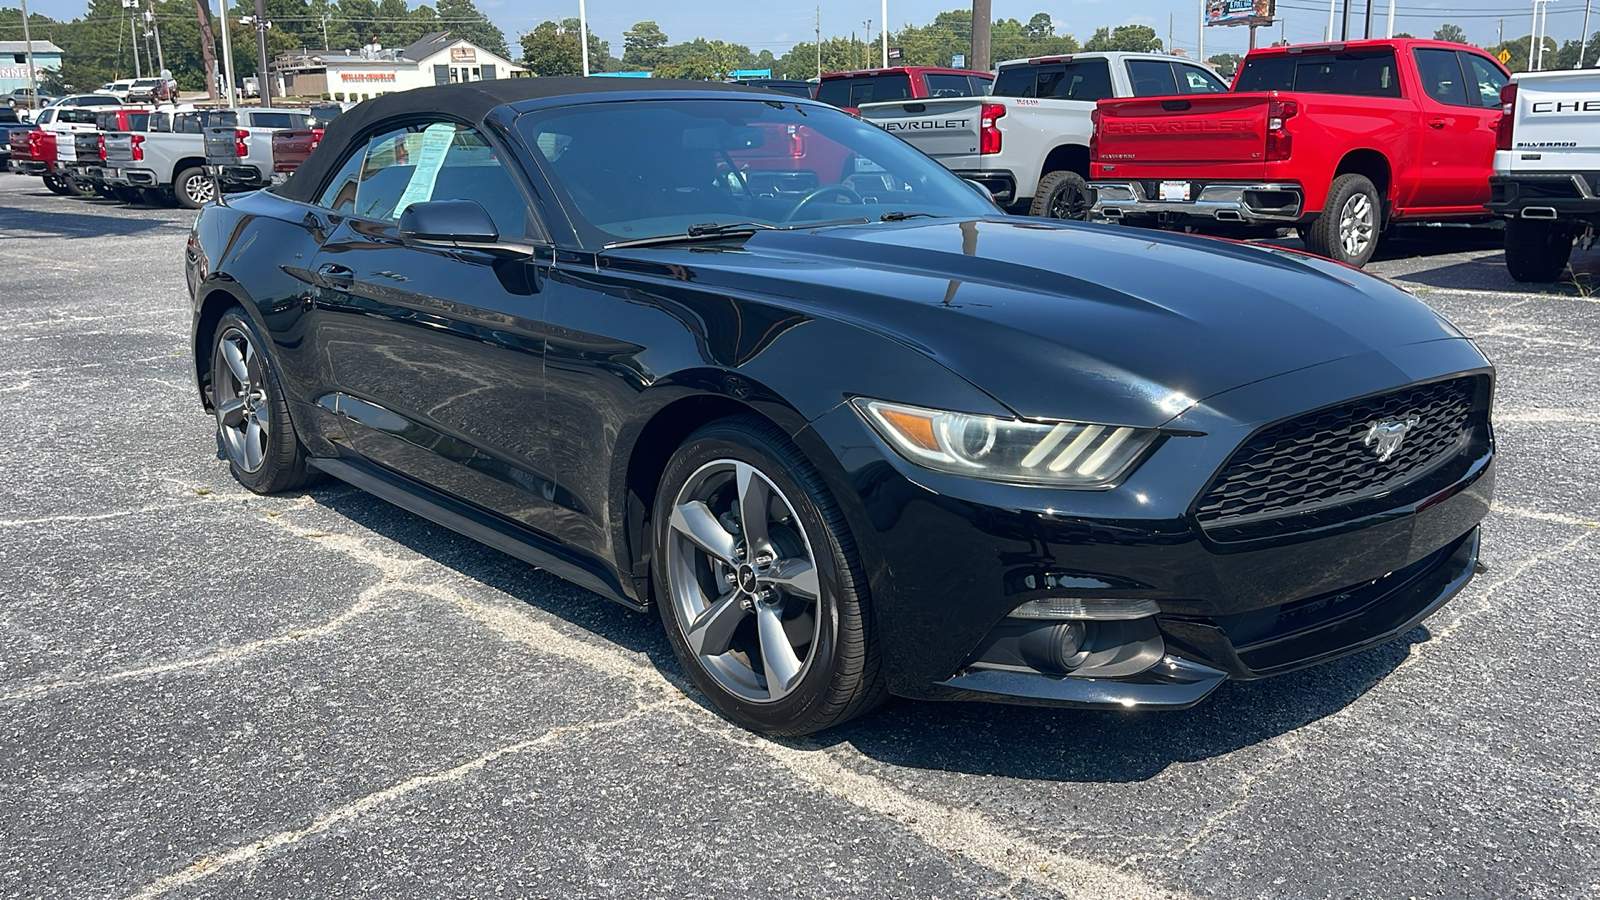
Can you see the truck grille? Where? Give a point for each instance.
(1322, 459)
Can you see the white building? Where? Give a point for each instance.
(436, 59)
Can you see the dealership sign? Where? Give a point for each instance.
(463, 55)
(366, 76)
(1240, 12)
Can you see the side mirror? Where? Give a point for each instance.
(454, 224)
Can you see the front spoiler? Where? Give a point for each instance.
(1179, 681)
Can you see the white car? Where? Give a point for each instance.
(117, 89)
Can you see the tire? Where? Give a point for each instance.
(129, 195)
(56, 186)
(825, 640)
(253, 427)
(1350, 224)
(1537, 250)
(103, 190)
(194, 188)
(1062, 195)
(80, 188)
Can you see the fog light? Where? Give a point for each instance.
(1092, 610)
(1054, 648)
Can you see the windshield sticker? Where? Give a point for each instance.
(436, 139)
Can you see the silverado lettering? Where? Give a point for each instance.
(1566, 106)
(925, 124)
(1189, 126)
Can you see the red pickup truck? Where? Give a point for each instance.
(848, 90)
(1336, 140)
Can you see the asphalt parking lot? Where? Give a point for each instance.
(208, 693)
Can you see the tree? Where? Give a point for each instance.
(1226, 63)
(553, 49)
(1404, 34)
(463, 20)
(1453, 33)
(1131, 38)
(642, 46)
(1039, 27)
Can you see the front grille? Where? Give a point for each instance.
(1320, 459)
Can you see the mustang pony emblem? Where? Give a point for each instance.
(1385, 437)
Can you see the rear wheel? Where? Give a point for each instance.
(1062, 195)
(56, 186)
(126, 194)
(253, 424)
(758, 583)
(1352, 217)
(194, 188)
(1537, 250)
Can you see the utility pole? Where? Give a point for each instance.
(1368, 33)
(866, 45)
(886, 34)
(33, 75)
(1332, 6)
(1169, 32)
(1344, 24)
(1391, 20)
(819, 42)
(583, 37)
(1200, 41)
(1533, 35)
(263, 82)
(325, 46)
(133, 33)
(208, 46)
(982, 19)
(227, 55)
(1583, 36)
(161, 57)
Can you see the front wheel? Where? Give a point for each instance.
(1537, 250)
(758, 583)
(253, 426)
(194, 188)
(1351, 220)
(1062, 195)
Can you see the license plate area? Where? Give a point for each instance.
(1174, 191)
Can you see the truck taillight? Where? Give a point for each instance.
(1508, 117)
(241, 143)
(102, 142)
(797, 144)
(1094, 135)
(989, 128)
(1279, 142)
(137, 141)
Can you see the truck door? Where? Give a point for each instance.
(1457, 129)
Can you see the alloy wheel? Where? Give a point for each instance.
(244, 416)
(1069, 203)
(743, 579)
(1357, 222)
(200, 188)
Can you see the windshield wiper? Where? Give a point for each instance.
(898, 216)
(706, 230)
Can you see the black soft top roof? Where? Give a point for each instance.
(471, 102)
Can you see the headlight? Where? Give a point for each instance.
(1060, 454)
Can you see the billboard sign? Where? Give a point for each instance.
(1240, 12)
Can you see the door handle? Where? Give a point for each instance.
(1437, 123)
(335, 276)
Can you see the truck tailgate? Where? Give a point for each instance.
(1194, 131)
(222, 146)
(946, 129)
(290, 148)
(119, 149)
(86, 145)
(1557, 123)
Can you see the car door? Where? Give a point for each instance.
(437, 354)
(1457, 135)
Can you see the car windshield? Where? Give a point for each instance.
(650, 168)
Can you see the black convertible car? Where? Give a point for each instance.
(747, 359)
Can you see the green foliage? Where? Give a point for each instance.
(553, 49)
(1518, 48)
(1449, 32)
(1130, 38)
(643, 46)
(1226, 63)
(463, 20)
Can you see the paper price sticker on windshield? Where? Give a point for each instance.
(436, 140)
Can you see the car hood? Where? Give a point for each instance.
(1095, 323)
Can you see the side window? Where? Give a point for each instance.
(1087, 81)
(1151, 78)
(1441, 76)
(1195, 80)
(835, 92)
(438, 161)
(948, 85)
(272, 120)
(1484, 79)
(978, 86)
(340, 194)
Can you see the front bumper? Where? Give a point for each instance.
(1263, 203)
(949, 558)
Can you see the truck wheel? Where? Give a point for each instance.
(129, 195)
(1347, 231)
(1062, 195)
(194, 188)
(1536, 249)
(56, 186)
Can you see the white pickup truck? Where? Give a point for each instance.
(1028, 140)
(1546, 181)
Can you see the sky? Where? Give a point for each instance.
(776, 24)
